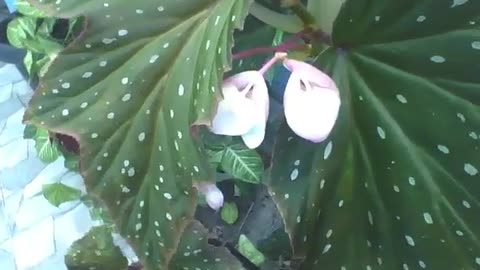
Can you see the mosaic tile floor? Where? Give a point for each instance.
(33, 233)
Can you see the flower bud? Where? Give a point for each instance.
(213, 194)
(311, 101)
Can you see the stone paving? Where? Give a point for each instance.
(34, 234)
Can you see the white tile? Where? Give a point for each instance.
(71, 226)
(9, 107)
(7, 260)
(17, 177)
(34, 245)
(8, 211)
(6, 92)
(55, 262)
(51, 173)
(13, 128)
(34, 209)
(22, 88)
(12, 153)
(74, 180)
(10, 74)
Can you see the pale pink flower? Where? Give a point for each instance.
(244, 108)
(213, 194)
(311, 101)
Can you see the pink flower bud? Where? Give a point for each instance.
(244, 108)
(213, 194)
(311, 101)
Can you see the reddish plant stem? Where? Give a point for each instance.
(289, 44)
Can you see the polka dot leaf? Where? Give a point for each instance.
(396, 185)
(197, 254)
(128, 89)
(95, 250)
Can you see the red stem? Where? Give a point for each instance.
(287, 45)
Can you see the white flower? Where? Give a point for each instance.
(213, 194)
(244, 108)
(311, 101)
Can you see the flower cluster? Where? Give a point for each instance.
(311, 103)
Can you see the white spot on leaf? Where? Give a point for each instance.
(476, 45)
(410, 240)
(294, 174)
(411, 180)
(381, 133)
(443, 149)
(470, 169)
(458, 3)
(122, 32)
(438, 59)
(401, 98)
(328, 150)
(181, 90)
(421, 18)
(428, 218)
(126, 97)
(154, 58)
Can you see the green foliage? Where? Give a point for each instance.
(95, 250)
(196, 253)
(25, 8)
(232, 156)
(247, 249)
(33, 34)
(395, 186)
(47, 147)
(242, 163)
(30, 131)
(58, 193)
(129, 94)
(229, 213)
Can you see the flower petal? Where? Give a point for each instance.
(259, 92)
(313, 74)
(311, 114)
(234, 117)
(255, 136)
(213, 194)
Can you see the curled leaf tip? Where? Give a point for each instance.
(311, 101)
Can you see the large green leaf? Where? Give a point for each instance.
(396, 185)
(128, 90)
(95, 250)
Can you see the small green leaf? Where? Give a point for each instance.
(229, 213)
(59, 193)
(247, 249)
(25, 8)
(30, 131)
(19, 29)
(47, 147)
(72, 160)
(215, 157)
(96, 250)
(242, 163)
(28, 62)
